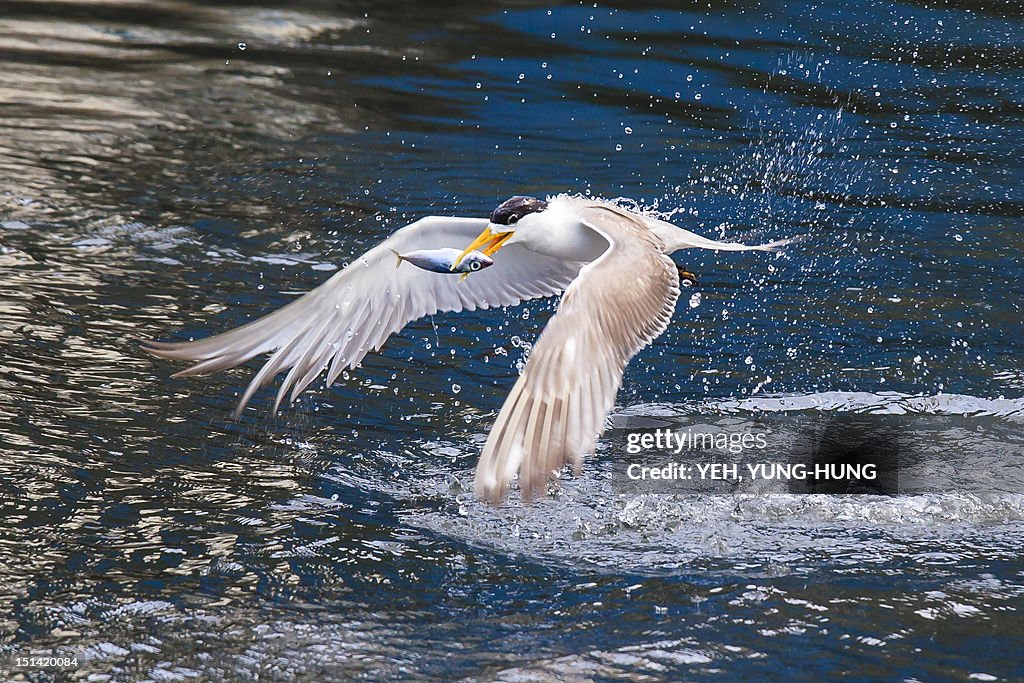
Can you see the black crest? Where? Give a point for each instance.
(511, 210)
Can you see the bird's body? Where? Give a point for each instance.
(620, 290)
(560, 232)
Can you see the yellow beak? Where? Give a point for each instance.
(490, 241)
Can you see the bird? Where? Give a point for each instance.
(619, 289)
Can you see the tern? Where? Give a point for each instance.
(620, 289)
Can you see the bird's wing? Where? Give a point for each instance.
(356, 310)
(558, 406)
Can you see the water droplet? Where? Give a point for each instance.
(917, 360)
(618, 148)
(695, 300)
(748, 360)
(456, 388)
(628, 130)
(958, 238)
(242, 46)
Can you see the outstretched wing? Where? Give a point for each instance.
(356, 310)
(558, 406)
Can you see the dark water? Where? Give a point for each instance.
(169, 168)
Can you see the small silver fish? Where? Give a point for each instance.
(441, 260)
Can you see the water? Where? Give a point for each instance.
(168, 169)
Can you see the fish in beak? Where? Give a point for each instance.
(487, 241)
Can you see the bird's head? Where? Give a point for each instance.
(513, 215)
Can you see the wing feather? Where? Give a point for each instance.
(335, 325)
(557, 408)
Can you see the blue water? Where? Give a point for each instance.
(157, 180)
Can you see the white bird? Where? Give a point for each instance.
(620, 292)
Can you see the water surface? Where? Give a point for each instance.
(168, 169)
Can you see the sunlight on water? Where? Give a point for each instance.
(172, 169)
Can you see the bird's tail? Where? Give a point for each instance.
(692, 240)
(676, 238)
(773, 247)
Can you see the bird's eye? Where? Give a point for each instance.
(475, 265)
(513, 219)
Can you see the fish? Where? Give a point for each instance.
(442, 260)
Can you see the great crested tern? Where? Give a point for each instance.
(620, 292)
